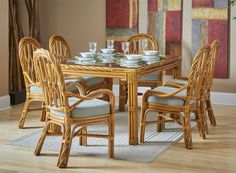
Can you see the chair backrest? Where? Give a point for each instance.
(51, 79)
(27, 46)
(140, 42)
(196, 74)
(59, 48)
(211, 65)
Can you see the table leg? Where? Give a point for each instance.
(133, 108)
(177, 71)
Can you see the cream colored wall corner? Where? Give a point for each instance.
(4, 95)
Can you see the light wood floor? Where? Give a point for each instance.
(216, 154)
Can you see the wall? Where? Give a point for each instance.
(79, 21)
(4, 47)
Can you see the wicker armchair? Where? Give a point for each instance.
(207, 84)
(34, 93)
(73, 112)
(151, 80)
(180, 102)
(61, 50)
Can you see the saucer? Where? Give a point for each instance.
(130, 62)
(80, 58)
(130, 66)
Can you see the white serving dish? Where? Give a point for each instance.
(130, 62)
(150, 52)
(86, 54)
(107, 51)
(133, 56)
(80, 58)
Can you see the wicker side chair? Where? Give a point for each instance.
(169, 101)
(207, 84)
(61, 50)
(27, 46)
(151, 80)
(73, 112)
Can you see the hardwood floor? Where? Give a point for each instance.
(216, 154)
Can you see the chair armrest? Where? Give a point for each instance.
(93, 95)
(172, 84)
(182, 78)
(81, 79)
(164, 95)
(79, 86)
(31, 83)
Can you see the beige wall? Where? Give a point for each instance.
(79, 21)
(4, 47)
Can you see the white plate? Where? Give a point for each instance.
(130, 66)
(80, 58)
(130, 62)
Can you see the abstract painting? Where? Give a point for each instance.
(210, 22)
(165, 24)
(121, 20)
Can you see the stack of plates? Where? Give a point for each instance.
(84, 60)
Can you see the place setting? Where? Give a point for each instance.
(87, 57)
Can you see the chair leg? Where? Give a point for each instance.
(83, 140)
(202, 117)
(122, 98)
(43, 114)
(65, 148)
(160, 123)
(111, 139)
(200, 122)
(210, 112)
(142, 124)
(41, 140)
(24, 113)
(187, 131)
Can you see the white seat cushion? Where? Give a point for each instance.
(36, 90)
(86, 108)
(167, 101)
(151, 77)
(184, 82)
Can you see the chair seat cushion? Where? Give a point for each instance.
(86, 108)
(92, 80)
(179, 81)
(167, 101)
(151, 77)
(36, 90)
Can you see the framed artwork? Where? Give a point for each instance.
(165, 24)
(210, 22)
(121, 20)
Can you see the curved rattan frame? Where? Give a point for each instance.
(59, 47)
(180, 114)
(54, 88)
(134, 48)
(27, 46)
(206, 87)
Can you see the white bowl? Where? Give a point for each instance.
(133, 56)
(108, 51)
(150, 52)
(130, 62)
(86, 54)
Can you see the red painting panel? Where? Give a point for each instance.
(152, 5)
(218, 29)
(202, 3)
(173, 26)
(117, 13)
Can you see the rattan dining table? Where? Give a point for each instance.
(115, 69)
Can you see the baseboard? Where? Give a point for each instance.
(221, 98)
(218, 98)
(4, 102)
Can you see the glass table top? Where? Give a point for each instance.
(114, 60)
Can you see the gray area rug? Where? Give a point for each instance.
(155, 143)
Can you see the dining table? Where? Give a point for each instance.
(113, 67)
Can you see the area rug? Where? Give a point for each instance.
(155, 143)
